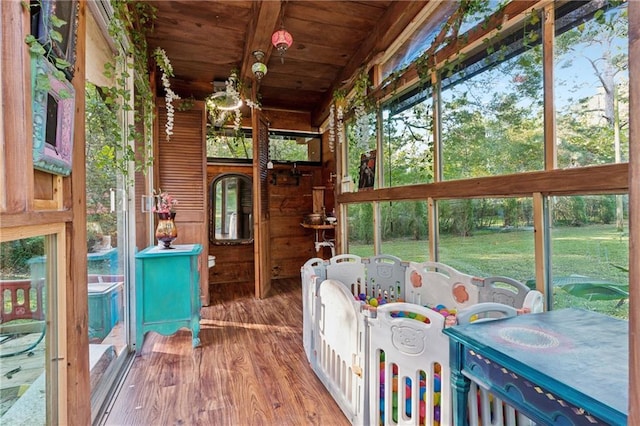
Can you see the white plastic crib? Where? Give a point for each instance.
(360, 353)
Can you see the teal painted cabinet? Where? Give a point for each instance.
(167, 291)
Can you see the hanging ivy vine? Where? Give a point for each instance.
(129, 27)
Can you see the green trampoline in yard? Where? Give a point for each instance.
(589, 288)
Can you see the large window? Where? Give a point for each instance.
(295, 147)
(284, 147)
(590, 253)
(407, 157)
(492, 122)
(225, 143)
(592, 90)
(488, 237)
(404, 230)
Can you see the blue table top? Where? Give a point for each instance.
(581, 355)
(175, 250)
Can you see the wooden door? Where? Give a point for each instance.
(261, 205)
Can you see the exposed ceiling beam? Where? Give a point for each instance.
(266, 16)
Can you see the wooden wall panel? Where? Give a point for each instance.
(289, 120)
(290, 199)
(16, 150)
(290, 245)
(42, 185)
(78, 380)
(234, 264)
(181, 170)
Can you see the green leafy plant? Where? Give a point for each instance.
(130, 25)
(36, 49)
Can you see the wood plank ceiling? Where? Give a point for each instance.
(205, 40)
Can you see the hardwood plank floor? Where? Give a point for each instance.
(249, 370)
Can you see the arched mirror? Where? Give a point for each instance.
(230, 209)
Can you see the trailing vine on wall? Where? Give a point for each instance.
(131, 23)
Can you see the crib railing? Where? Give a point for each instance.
(21, 299)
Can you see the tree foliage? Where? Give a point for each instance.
(492, 124)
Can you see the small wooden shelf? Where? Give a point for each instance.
(325, 226)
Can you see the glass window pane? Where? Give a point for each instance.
(590, 253)
(492, 115)
(23, 331)
(592, 90)
(405, 230)
(488, 237)
(421, 39)
(361, 138)
(225, 143)
(482, 10)
(408, 145)
(295, 147)
(360, 229)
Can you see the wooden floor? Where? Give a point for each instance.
(250, 369)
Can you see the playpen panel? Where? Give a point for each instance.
(345, 339)
(503, 290)
(510, 292)
(385, 275)
(409, 378)
(312, 273)
(21, 299)
(349, 270)
(338, 358)
(433, 283)
(22, 316)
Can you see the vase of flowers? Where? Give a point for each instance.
(166, 230)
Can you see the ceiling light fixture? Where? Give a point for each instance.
(282, 40)
(259, 68)
(227, 100)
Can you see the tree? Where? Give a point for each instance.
(602, 44)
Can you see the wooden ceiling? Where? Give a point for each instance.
(205, 40)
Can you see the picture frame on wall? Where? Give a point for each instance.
(64, 46)
(367, 171)
(53, 106)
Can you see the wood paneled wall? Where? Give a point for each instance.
(290, 198)
(290, 244)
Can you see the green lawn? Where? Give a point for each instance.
(588, 251)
